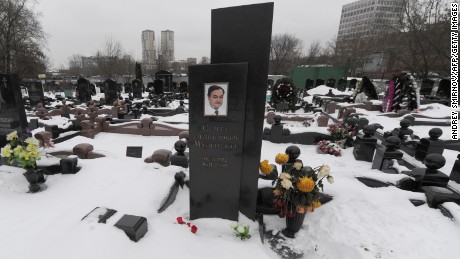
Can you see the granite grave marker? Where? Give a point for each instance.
(12, 113)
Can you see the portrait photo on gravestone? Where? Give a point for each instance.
(215, 101)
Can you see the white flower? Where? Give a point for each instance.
(12, 135)
(325, 170)
(240, 229)
(285, 176)
(298, 165)
(287, 184)
(330, 179)
(235, 225)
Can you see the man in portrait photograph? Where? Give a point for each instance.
(215, 103)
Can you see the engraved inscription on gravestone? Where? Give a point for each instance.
(216, 141)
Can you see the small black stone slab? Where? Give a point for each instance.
(416, 202)
(135, 227)
(102, 218)
(69, 165)
(134, 152)
(372, 182)
(436, 195)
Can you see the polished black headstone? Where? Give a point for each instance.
(135, 227)
(137, 88)
(216, 142)
(364, 147)
(384, 155)
(69, 165)
(243, 34)
(134, 152)
(110, 91)
(179, 158)
(12, 113)
(35, 90)
(54, 129)
(431, 145)
(83, 90)
(33, 124)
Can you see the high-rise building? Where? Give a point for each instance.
(167, 45)
(148, 47)
(366, 18)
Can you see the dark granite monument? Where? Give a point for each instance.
(243, 34)
(431, 145)
(455, 173)
(137, 88)
(83, 90)
(110, 91)
(35, 90)
(216, 142)
(383, 159)
(364, 147)
(12, 113)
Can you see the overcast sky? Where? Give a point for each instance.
(81, 27)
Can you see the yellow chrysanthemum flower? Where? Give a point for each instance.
(265, 167)
(12, 136)
(32, 141)
(305, 184)
(281, 158)
(6, 151)
(316, 204)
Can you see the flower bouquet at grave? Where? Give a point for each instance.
(22, 149)
(329, 147)
(297, 188)
(341, 133)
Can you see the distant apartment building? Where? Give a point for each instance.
(365, 18)
(364, 23)
(167, 45)
(148, 47)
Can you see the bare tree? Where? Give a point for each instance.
(285, 52)
(21, 38)
(313, 52)
(423, 36)
(204, 60)
(163, 61)
(109, 56)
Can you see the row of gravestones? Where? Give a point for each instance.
(365, 146)
(429, 180)
(111, 89)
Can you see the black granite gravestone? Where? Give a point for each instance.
(137, 88)
(110, 91)
(364, 147)
(243, 34)
(430, 145)
(179, 158)
(134, 152)
(12, 113)
(384, 156)
(216, 142)
(35, 90)
(83, 90)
